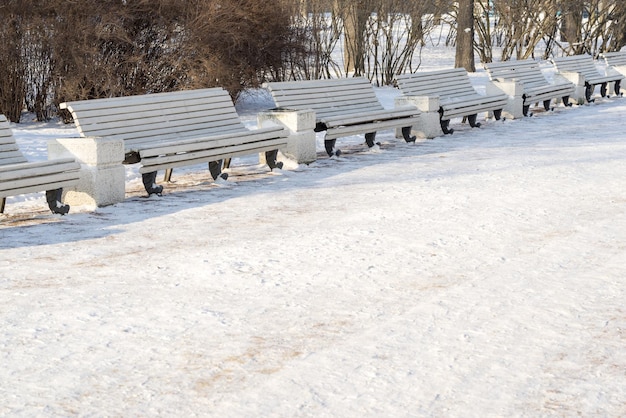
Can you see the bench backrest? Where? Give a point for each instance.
(326, 97)
(583, 64)
(9, 151)
(526, 72)
(614, 58)
(452, 83)
(157, 117)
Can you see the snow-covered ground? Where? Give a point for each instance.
(475, 275)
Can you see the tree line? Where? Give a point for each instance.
(58, 50)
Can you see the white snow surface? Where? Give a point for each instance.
(480, 274)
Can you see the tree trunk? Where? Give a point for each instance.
(465, 36)
(355, 14)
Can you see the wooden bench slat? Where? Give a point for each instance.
(162, 128)
(324, 100)
(218, 141)
(348, 130)
(129, 101)
(214, 154)
(364, 117)
(37, 167)
(148, 110)
(42, 181)
(137, 143)
(334, 83)
(18, 158)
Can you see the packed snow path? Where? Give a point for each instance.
(478, 274)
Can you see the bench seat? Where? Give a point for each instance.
(457, 96)
(536, 87)
(19, 176)
(172, 154)
(585, 65)
(343, 107)
(175, 129)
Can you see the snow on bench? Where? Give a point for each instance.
(585, 65)
(343, 107)
(455, 94)
(535, 86)
(175, 129)
(18, 176)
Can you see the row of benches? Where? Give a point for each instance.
(164, 131)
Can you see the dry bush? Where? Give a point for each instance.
(56, 50)
(12, 82)
(237, 44)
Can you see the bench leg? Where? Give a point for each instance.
(406, 134)
(497, 114)
(270, 158)
(149, 183)
(588, 92)
(215, 168)
(2, 203)
(546, 104)
(617, 87)
(566, 101)
(525, 109)
(472, 121)
(329, 145)
(603, 90)
(54, 197)
(445, 126)
(226, 163)
(168, 175)
(370, 137)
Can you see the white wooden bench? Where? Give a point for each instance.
(18, 176)
(343, 107)
(536, 87)
(169, 130)
(585, 65)
(457, 96)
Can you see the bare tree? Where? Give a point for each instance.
(380, 37)
(317, 30)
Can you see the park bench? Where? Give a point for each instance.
(457, 96)
(19, 176)
(535, 86)
(343, 107)
(585, 65)
(163, 131)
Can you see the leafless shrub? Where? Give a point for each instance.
(12, 82)
(55, 50)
